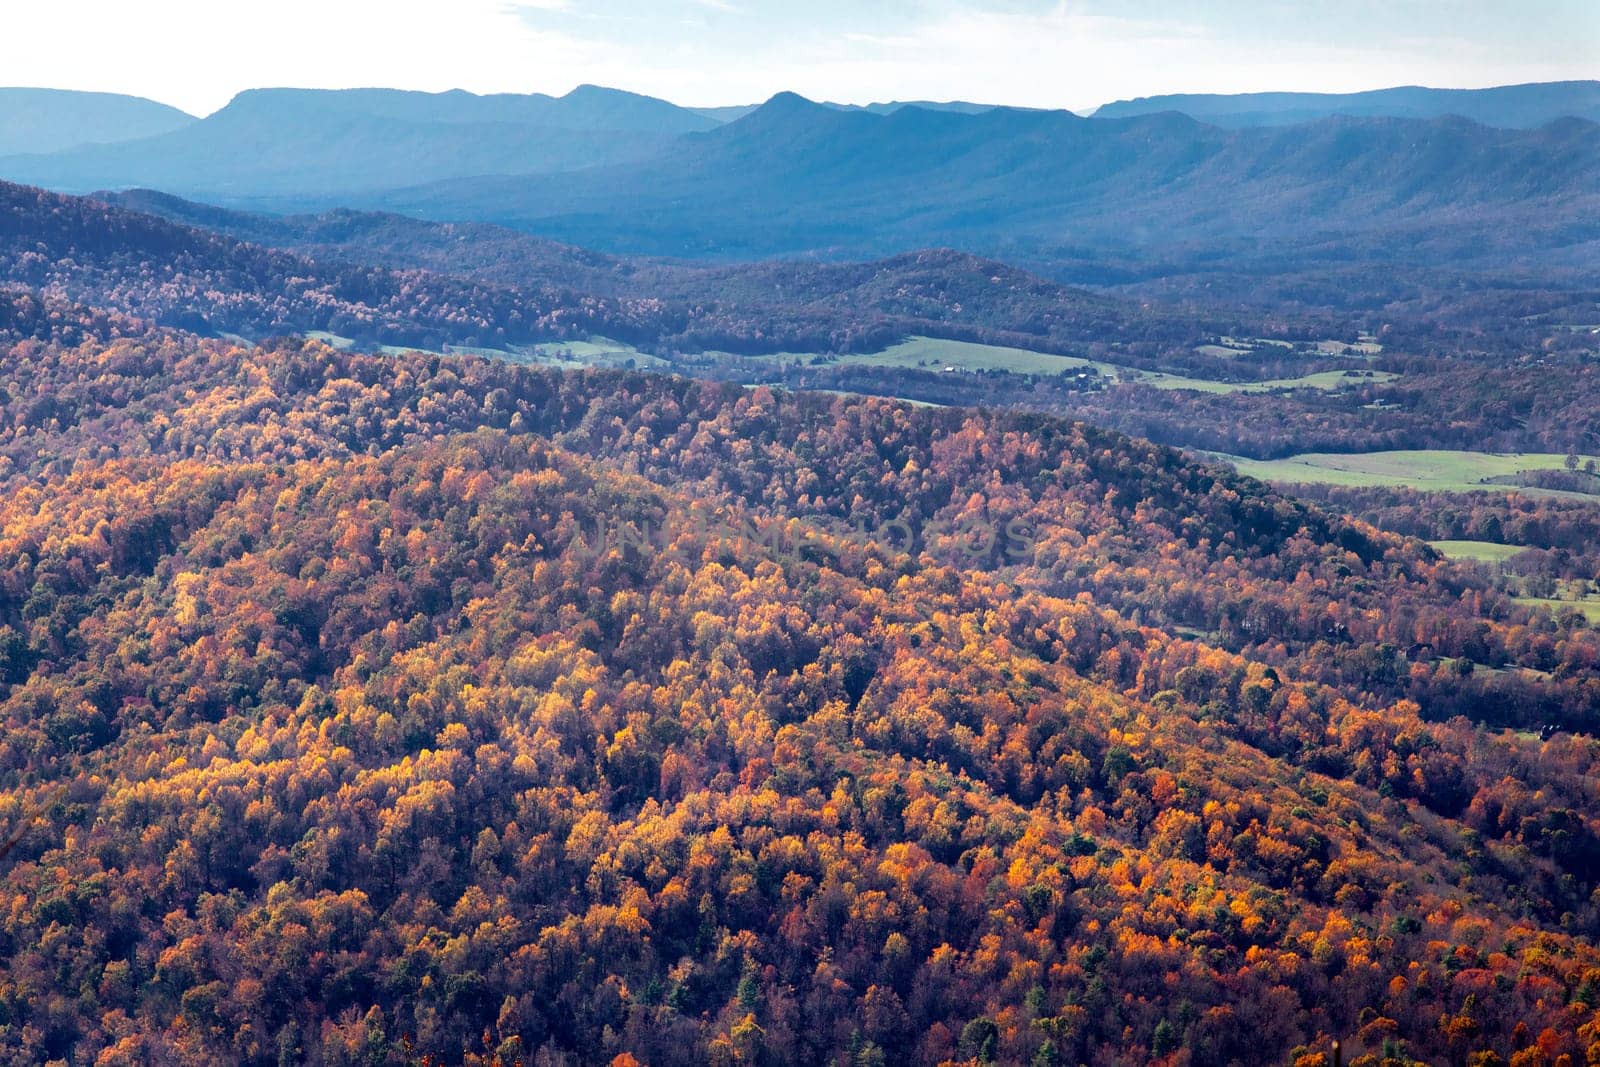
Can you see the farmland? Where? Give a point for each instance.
(1477, 551)
(927, 353)
(1588, 606)
(1426, 469)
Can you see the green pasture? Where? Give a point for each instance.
(1428, 469)
(1477, 551)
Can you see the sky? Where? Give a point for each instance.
(196, 54)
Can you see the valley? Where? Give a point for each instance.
(918, 353)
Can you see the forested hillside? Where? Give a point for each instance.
(362, 709)
(1532, 404)
(385, 280)
(1493, 377)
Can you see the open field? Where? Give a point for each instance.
(917, 353)
(1365, 345)
(1479, 551)
(926, 353)
(1329, 380)
(1432, 469)
(595, 352)
(1340, 348)
(332, 340)
(1590, 606)
(570, 355)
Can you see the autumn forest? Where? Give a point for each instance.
(427, 643)
(335, 731)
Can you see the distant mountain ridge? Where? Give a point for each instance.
(315, 142)
(50, 120)
(1507, 106)
(585, 108)
(798, 177)
(623, 173)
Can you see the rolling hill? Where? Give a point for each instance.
(1465, 375)
(925, 286)
(385, 279)
(1508, 106)
(49, 120)
(391, 709)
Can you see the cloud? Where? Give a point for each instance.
(1032, 52)
(1060, 54)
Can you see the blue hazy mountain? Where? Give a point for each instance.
(1508, 106)
(49, 120)
(623, 173)
(280, 142)
(800, 177)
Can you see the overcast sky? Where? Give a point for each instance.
(197, 53)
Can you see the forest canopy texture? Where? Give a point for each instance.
(370, 709)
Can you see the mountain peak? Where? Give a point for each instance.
(591, 91)
(791, 102)
(622, 109)
(785, 124)
(787, 108)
